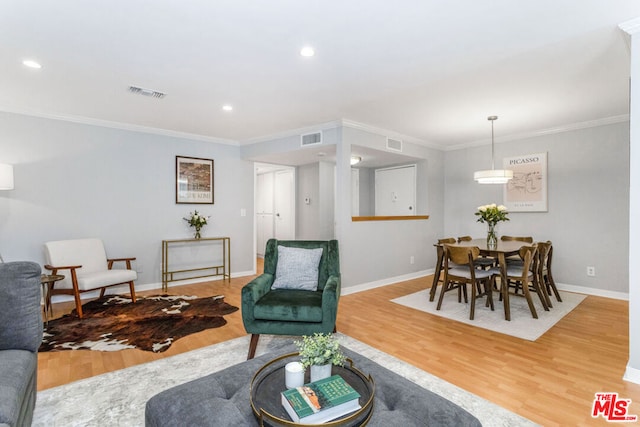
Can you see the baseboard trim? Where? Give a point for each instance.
(384, 282)
(595, 292)
(124, 289)
(561, 286)
(632, 375)
(345, 290)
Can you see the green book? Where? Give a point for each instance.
(320, 401)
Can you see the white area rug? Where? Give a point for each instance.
(118, 398)
(522, 324)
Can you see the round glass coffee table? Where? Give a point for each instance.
(268, 383)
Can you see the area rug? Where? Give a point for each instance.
(119, 397)
(152, 323)
(521, 325)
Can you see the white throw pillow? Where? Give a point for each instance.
(297, 268)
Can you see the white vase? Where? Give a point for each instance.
(319, 372)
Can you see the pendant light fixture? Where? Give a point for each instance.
(493, 176)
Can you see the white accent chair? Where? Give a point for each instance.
(89, 269)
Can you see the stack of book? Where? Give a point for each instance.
(320, 401)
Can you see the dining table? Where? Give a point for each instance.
(502, 250)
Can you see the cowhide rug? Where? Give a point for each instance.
(152, 323)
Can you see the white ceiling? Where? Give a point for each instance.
(428, 69)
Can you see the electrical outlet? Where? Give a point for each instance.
(591, 271)
(411, 259)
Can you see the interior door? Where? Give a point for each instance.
(284, 205)
(395, 191)
(264, 211)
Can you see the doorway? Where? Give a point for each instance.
(275, 201)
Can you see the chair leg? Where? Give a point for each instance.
(76, 296)
(133, 291)
(542, 294)
(76, 292)
(445, 285)
(552, 285)
(489, 291)
(473, 300)
(253, 345)
(102, 290)
(527, 295)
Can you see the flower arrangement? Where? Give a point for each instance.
(492, 214)
(320, 349)
(197, 221)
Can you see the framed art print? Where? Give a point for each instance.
(194, 180)
(527, 191)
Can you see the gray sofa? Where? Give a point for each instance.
(20, 337)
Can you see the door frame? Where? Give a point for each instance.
(260, 168)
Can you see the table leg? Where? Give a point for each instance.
(47, 302)
(436, 275)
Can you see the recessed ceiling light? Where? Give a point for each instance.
(227, 108)
(31, 63)
(307, 51)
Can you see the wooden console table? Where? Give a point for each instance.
(223, 270)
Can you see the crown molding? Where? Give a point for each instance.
(121, 126)
(323, 126)
(550, 131)
(292, 132)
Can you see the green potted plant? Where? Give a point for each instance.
(320, 352)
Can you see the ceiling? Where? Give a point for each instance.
(429, 70)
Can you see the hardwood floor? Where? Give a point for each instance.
(551, 381)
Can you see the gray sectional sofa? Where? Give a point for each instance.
(20, 337)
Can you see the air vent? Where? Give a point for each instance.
(394, 144)
(311, 139)
(146, 92)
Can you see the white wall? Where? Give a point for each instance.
(74, 180)
(633, 367)
(315, 181)
(588, 209)
(307, 215)
(374, 251)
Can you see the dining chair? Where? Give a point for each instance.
(437, 275)
(516, 259)
(460, 271)
(525, 278)
(444, 241)
(484, 262)
(545, 252)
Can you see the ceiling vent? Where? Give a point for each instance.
(394, 144)
(311, 139)
(146, 92)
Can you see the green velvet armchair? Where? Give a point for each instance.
(292, 311)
